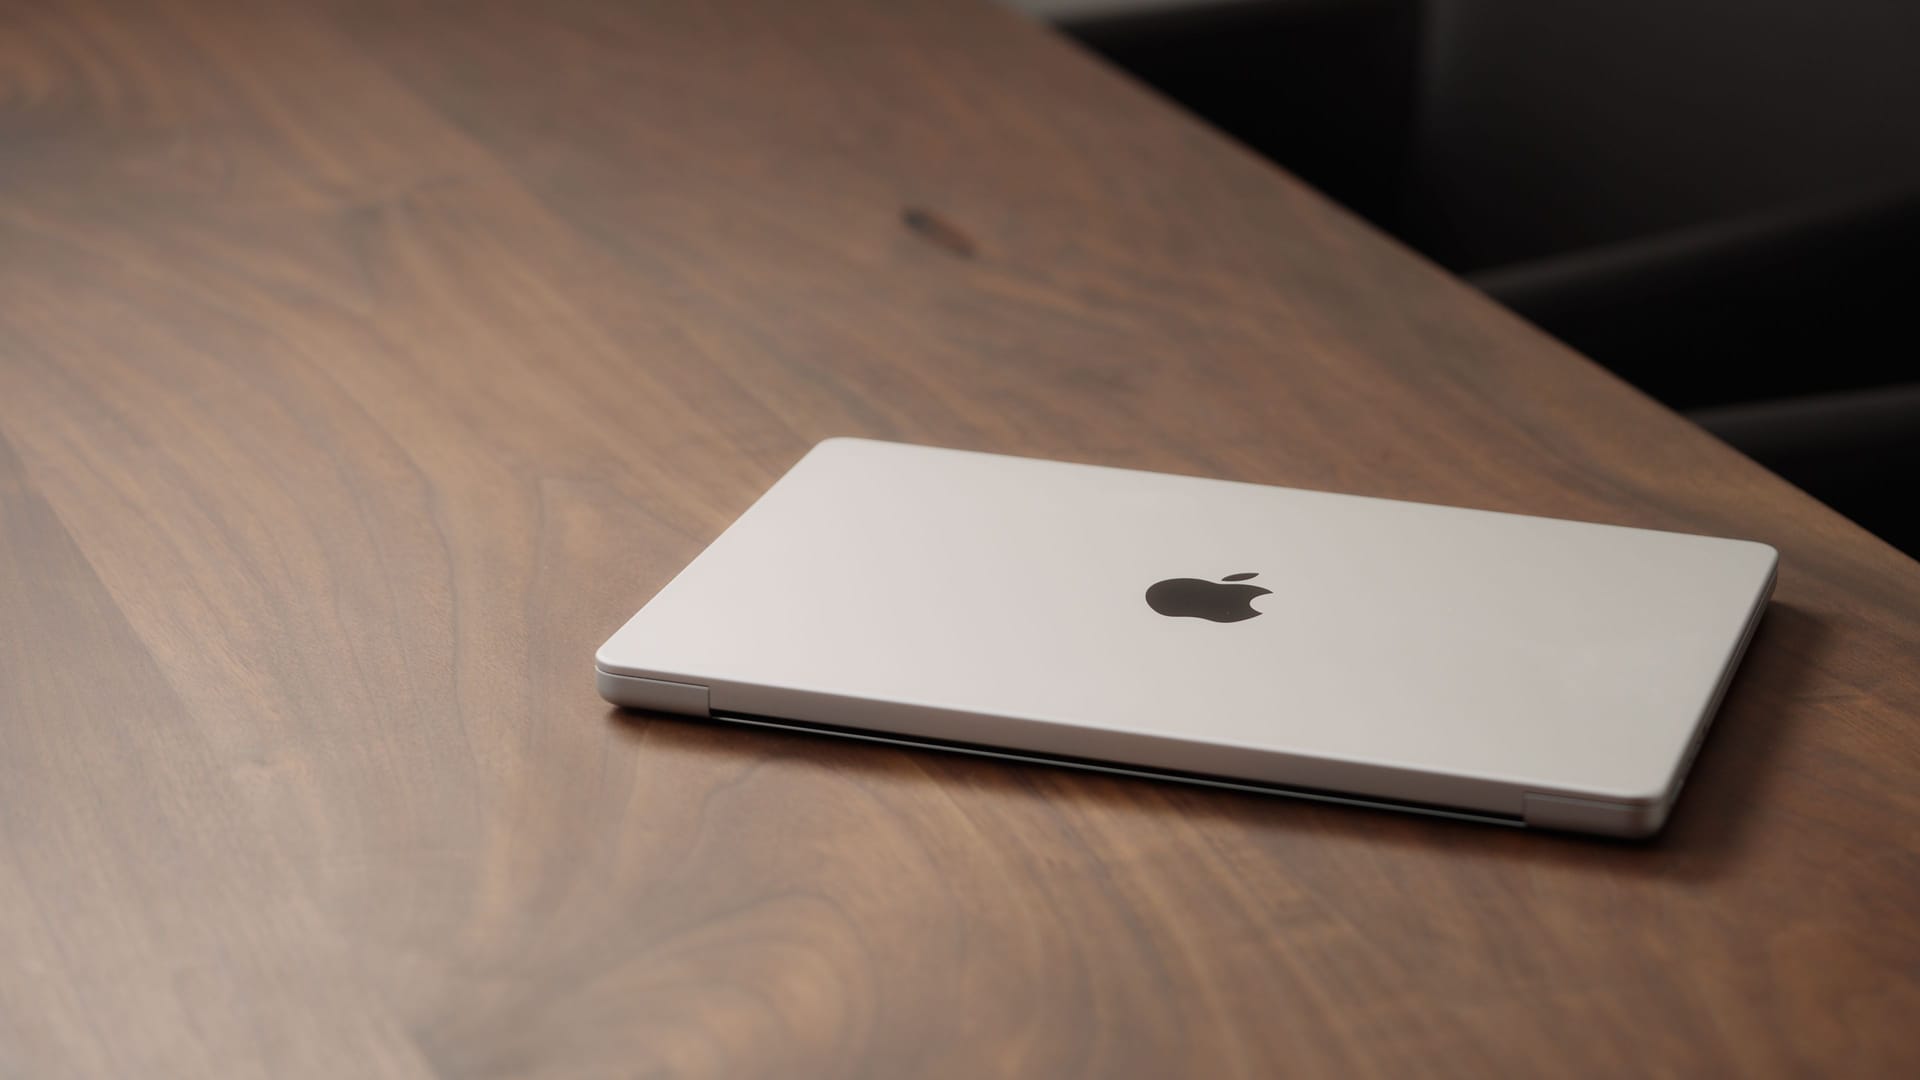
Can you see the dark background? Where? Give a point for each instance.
(1714, 198)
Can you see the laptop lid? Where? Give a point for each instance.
(1520, 668)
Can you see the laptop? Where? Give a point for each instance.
(1512, 669)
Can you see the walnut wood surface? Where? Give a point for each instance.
(363, 364)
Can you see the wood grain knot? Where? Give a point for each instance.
(938, 231)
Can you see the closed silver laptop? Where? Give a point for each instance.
(1516, 669)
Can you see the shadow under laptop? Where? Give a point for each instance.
(1717, 819)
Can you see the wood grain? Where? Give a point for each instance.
(362, 365)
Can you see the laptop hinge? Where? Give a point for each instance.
(1118, 769)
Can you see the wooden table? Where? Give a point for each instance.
(363, 364)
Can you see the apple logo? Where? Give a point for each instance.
(1212, 600)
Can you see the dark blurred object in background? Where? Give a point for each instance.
(1715, 198)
